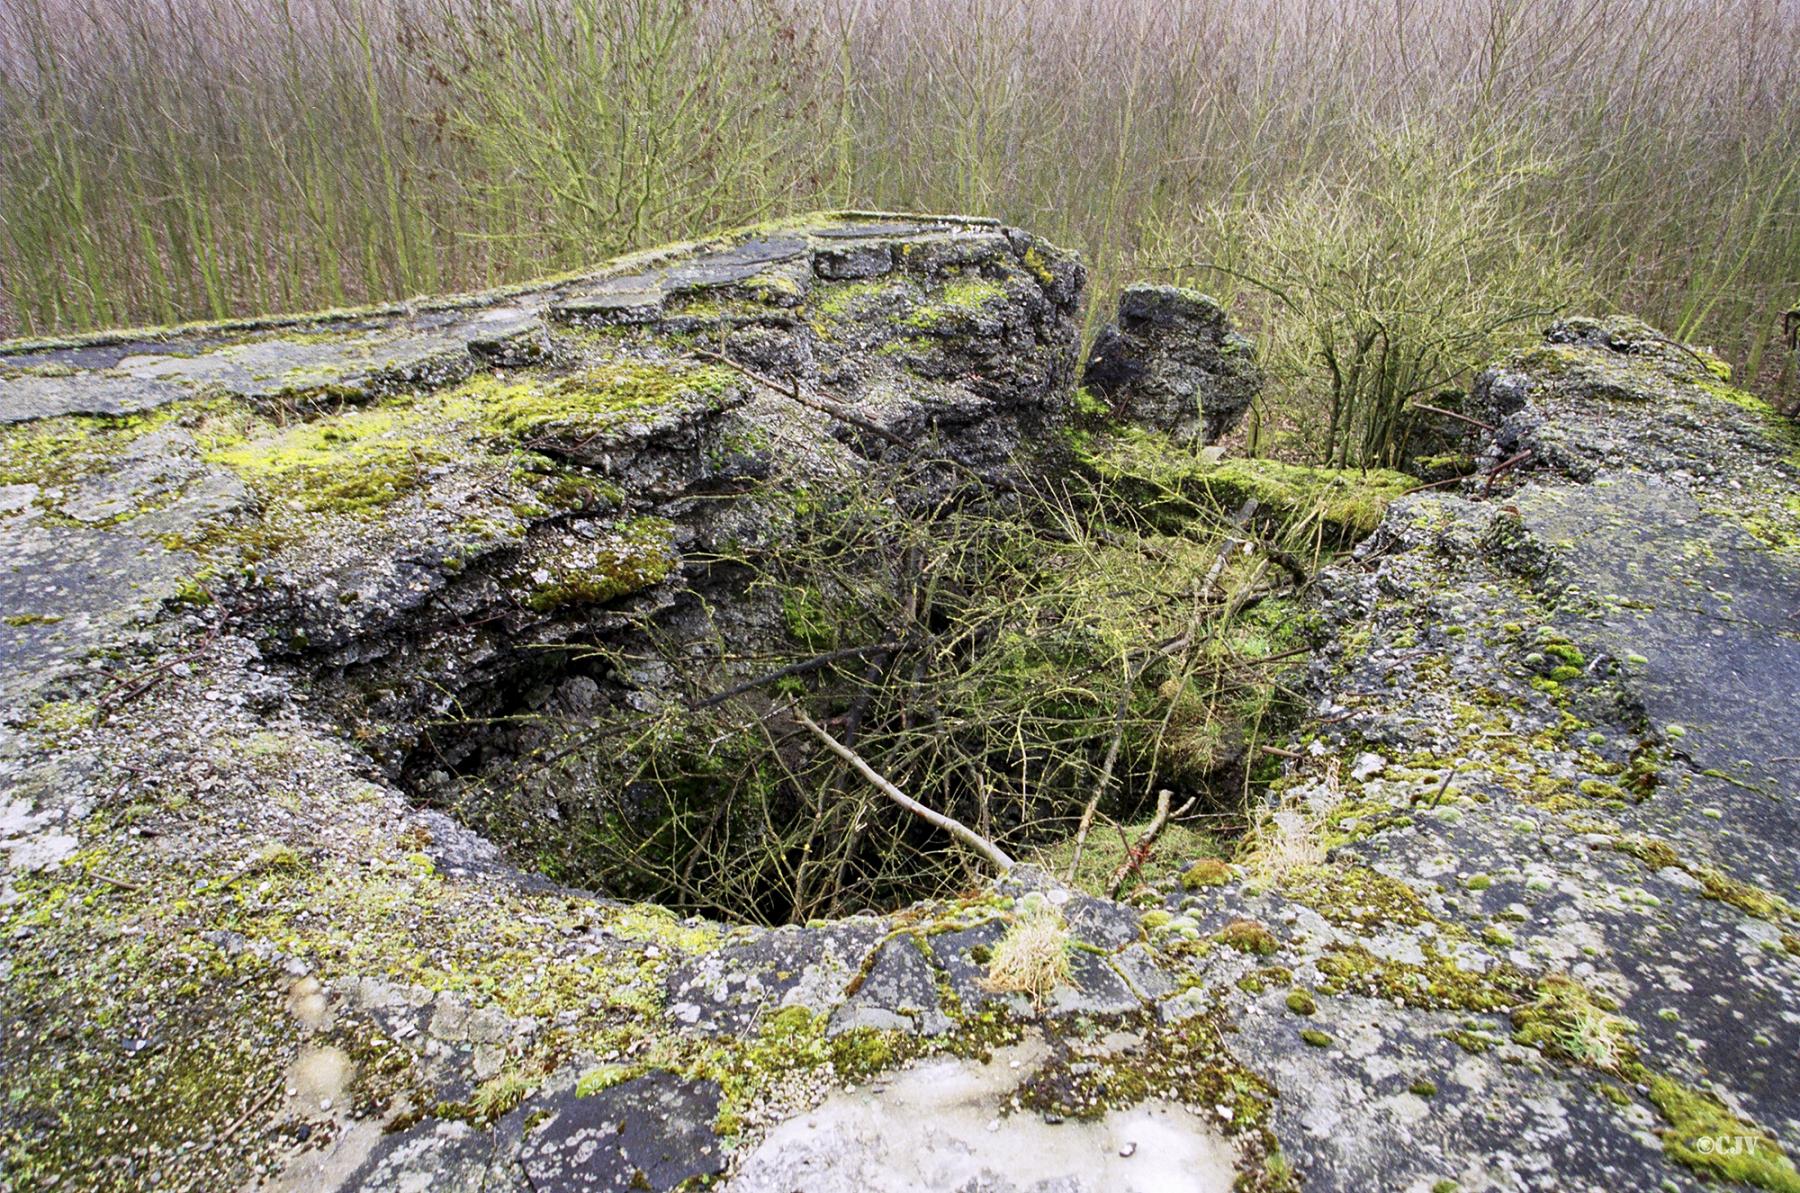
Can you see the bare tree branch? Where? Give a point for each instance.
(954, 827)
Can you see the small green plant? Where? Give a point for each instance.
(497, 1095)
(1566, 1021)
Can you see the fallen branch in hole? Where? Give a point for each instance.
(949, 824)
(1160, 650)
(581, 741)
(1139, 852)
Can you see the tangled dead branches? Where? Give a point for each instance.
(1020, 665)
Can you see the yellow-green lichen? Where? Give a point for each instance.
(601, 398)
(845, 300)
(1714, 883)
(354, 463)
(54, 452)
(958, 299)
(1722, 389)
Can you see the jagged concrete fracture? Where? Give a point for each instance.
(1521, 917)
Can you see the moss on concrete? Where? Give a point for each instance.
(954, 302)
(1174, 486)
(628, 558)
(1707, 1137)
(599, 399)
(355, 462)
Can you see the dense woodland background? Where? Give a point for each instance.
(1444, 170)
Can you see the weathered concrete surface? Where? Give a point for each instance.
(1600, 653)
(945, 1124)
(1522, 919)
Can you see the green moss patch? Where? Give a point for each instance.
(601, 399)
(808, 618)
(627, 559)
(1186, 1062)
(1714, 883)
(1436, 984)
(53, 452)
(1711, 1140)
(1248, 936)
(1174, 486)
(959, 299)
(1356, 897)
(1208, 871)
(354, 463)
(140, 1070)
(1348, 502)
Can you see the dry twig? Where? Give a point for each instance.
(954, 827)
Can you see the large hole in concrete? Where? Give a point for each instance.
(1004, 663)
(636, 557)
